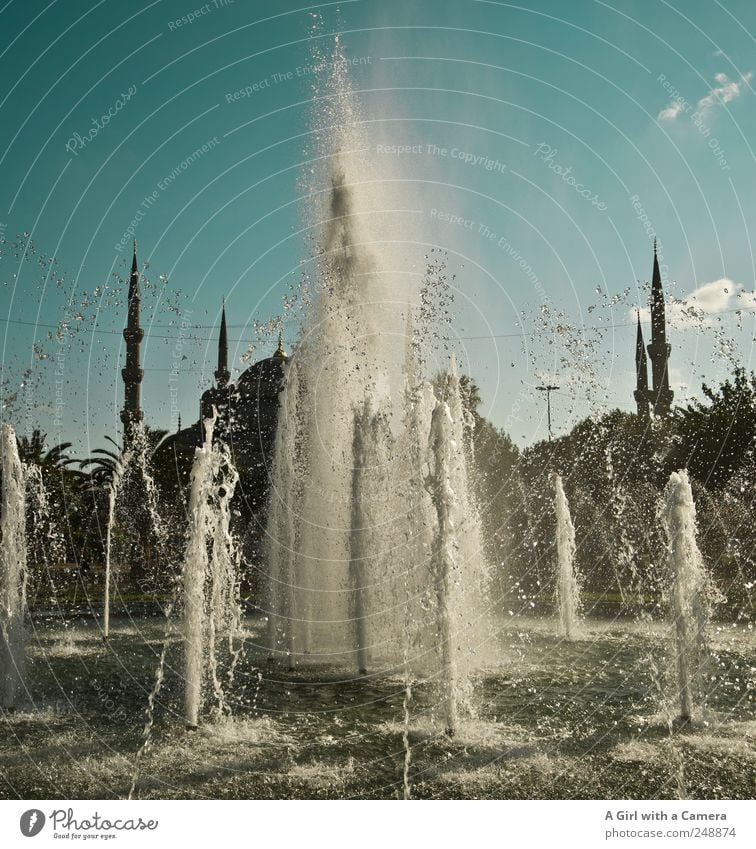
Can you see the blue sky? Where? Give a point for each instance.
(541, 145)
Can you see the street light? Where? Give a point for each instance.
(548, 389)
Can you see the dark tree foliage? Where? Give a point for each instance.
(614, 468)
(716, 438)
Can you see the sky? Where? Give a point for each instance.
(540, 147)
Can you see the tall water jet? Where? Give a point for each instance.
(691, 594)
(195, 569)
(224, 591)
(211, 587)
(369, 536)
(417, 520)
(444, 564)
(362, 530)
(468, 591)
(12, 573)
(359, 542)
(284, 618)
(134, 507)
(335, 370)
(568, 586)
(113, 488)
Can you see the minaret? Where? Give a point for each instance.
(132, 375)
(218, 396)
(222, 374)
(279, 353)
(659, 350)
(641, 373)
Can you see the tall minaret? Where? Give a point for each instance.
(659, 350)
(133, 373)
(641, 373)
(222, 374)
(218, 396)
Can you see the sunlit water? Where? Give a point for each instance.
(555, 718)
(378, 596)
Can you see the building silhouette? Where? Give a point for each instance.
(247, 414)
(132, 374)
(658, 397)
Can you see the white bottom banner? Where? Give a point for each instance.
(437, 823)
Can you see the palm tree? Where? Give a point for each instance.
(103, 462)
(102, 465)
(101, 469)
(31, 449)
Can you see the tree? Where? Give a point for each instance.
(134, 535)
(32, 449)
(716, 439)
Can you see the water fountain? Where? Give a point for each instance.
(134, 507)
(281, 544)
(211, 583)
(12, 573)
(373, 566)
(354, 433)
(568, 586)
(113, 489)
(360, 548)
(445, 565)
(691, 594)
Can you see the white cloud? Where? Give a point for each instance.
(703, 305)
(725, 91)
(672, 111)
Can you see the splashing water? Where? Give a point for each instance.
(211, 577)
(282, 612)
(371, 449)
(359, 542)
(351, 524)
(134, 507)
(115, 484)
(568, 586)
(444, 562)
(692, 594)
(12, 573)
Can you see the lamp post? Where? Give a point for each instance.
(548, 389)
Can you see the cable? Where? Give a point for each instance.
(522, 333)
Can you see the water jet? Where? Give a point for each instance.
(12, 573)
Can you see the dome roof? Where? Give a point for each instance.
(265, 373)
(269, 370)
